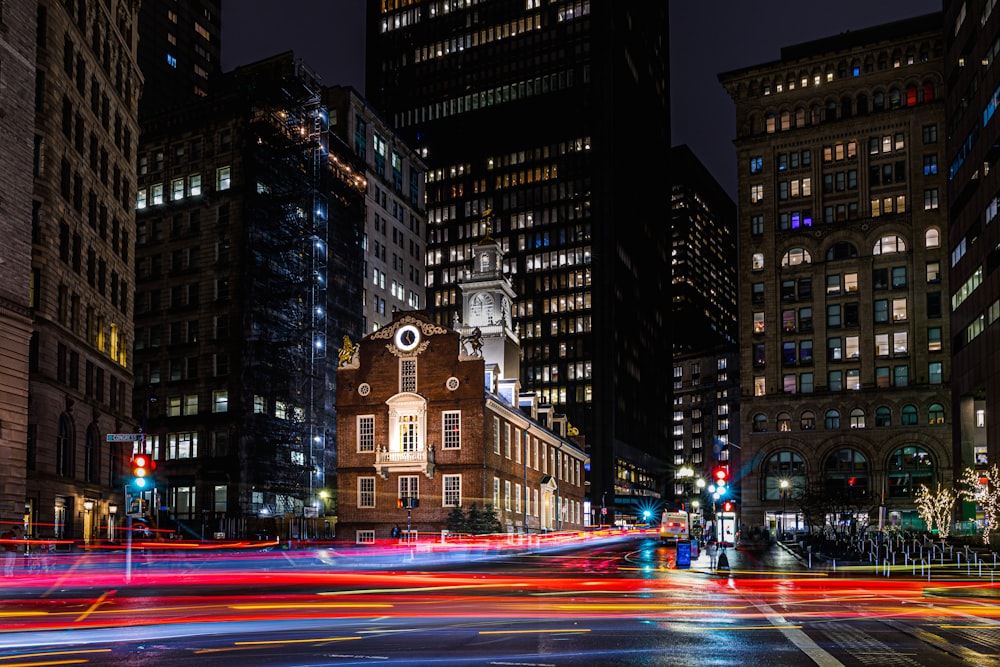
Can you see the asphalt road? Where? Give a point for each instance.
(603, 602)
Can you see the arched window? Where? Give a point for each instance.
(786, 121)
(888, 245)
(935, 414)
(857, 418)
(841, 250)
(908, 416)
(831, 111)
(757, 261)
(759, 422)
(800, 117)
(64, 448)
(787, 466)
(895, 98)
(815, 114)
(92, 455)
(845, 474)
(878, 101)
(832, 419)
(911, 95)
(769, 123)
(784, 421)
(845, 107)
(908, 468)
(862, 104)
(883, 416)
(807, 421)
(796, 256)
(929, 92)
(932, 238)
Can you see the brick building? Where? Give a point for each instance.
(437, 414)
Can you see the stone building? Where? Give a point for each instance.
(437, 414)
(17, 127)
(83, 235)
(844, 295)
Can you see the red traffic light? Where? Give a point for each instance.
(142, 469)
(727, 506)
(720, 475)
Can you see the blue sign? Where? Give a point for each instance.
(683, 553)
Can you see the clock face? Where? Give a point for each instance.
(407, 337)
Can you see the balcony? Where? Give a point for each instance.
(392, 462)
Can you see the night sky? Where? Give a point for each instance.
(706, 38)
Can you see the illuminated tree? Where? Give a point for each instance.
(983, 488)
(935, 508)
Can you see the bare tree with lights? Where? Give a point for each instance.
(986, 495)
(935, 508)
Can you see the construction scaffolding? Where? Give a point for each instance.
(287, 372)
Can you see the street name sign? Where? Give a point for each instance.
(124, 437)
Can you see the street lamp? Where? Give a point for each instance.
(783, 485)
(112, 518)
(88, 518)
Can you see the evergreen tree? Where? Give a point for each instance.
(457, 522)
(474, 520)
(489, 519)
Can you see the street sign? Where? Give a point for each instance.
(124, 437)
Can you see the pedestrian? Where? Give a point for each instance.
(10, 547)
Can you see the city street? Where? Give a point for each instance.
(606, 600)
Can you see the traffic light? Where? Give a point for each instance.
(727, 506)
(720, 474)
(142, 470)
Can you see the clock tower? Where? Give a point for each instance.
(486, 324)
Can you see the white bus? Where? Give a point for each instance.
(674, 526)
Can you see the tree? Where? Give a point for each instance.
(457, 522)
(491, 523)
(983, 488)
(935, 508)
(474, 520)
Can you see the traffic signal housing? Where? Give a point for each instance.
(142, 471)
(721, 475)
(727, 506)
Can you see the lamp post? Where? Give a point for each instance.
(112, 519)
(783, 486)
(88, 520)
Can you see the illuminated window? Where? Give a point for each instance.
(222, 178)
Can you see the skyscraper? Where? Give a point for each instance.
(395, 219)
(843, 305)
(86, 101)
(249, 269)
(973, 240)
(555, 119)
(180, 51)
(706, 364)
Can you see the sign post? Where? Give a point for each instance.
(127, 437)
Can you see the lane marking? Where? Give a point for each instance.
(798, 637)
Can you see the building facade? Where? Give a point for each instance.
(418, 419)
(395, 217)
(973, 240)
(518, 109)
(17, 127)
(83, 236)
(706, 363)
(180, 48)
(843, 256)
(248, 254)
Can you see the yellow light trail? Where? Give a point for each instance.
(48, 654)
(97, 603)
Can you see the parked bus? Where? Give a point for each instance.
(673, 526)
